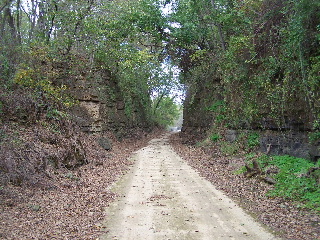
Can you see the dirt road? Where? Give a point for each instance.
(163, 198)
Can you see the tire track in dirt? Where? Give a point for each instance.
(164, 198)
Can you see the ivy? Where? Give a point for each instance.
(270, 65)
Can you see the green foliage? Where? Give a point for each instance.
(165, 110)
(263, 55)
(34, 80)
(74, 40)
(6, 67)
(240, 171)
(219, 110)
(230, 149)
(316, 123)
(314, 137)
(253, 140)
(218, 106)
(293, 180)
(38, 74)
(245, 143)
(55, 114)
(270, 62)
(215, 137)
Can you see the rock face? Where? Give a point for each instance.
(292, 143)
(196, 117)
(105, 143)
(102, 106)
(289, 138)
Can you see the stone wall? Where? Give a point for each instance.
(293, 143)
(196, 117)
(101, 105)
(288, 138)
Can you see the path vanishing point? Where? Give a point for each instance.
(163, 198)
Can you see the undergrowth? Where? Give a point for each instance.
(295, 180)
(215, 137)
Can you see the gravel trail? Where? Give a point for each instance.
(163, 198)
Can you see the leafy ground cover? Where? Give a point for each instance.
(280, 214)
(69, 204)
(296, 179)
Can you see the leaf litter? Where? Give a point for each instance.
(283, 217)
(70, 204)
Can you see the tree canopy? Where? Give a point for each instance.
(264, 54)
(123, 37)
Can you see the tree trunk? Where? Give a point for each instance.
(53, 10)
(32, 19)
(4, 5)
(159, 101)
(77, 25)
(8, 16)
(218, 25)
(18, 20)
(41, 25)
